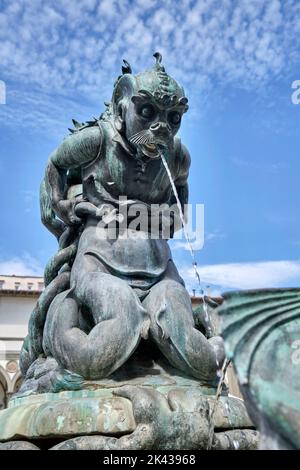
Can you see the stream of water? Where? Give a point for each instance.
(187, 237)
(216, 401)
(226, 361)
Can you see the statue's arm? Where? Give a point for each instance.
(76, 151)
(181, 181)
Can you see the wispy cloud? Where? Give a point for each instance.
(69, 50)
(245, 275)
(25, 265)
(196, 240)
(35, 109)
(29, 198)
(269, 167)
(219, 277)
(215, 235)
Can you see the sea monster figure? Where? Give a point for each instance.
(104, 289)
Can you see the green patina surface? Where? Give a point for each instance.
(88, 412)
(261, 329)
(114, 347)
(54, 415)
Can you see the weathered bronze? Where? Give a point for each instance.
(261, 329)
(105, 290)
(115, 312)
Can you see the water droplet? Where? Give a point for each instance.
(236, 445)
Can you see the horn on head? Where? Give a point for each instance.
(158, 58)
(126, 68)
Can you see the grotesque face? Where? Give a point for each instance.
(151, 124)
(149, 108)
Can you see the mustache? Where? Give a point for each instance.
(145, 137)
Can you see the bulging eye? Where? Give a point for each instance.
(175, 117)
(147, 111)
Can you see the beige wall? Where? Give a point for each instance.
(21, 283)
(15, 311)
(18, 296)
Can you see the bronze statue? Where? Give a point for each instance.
(105, 293)
(115, 357)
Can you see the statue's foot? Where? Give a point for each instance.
(46, 375)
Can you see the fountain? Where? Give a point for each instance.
(115, 357)
(261, 329)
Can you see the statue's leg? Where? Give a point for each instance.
(173, 329)
(118, 321)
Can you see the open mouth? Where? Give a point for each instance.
(150, 150)
(148, 144)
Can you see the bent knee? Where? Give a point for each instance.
(168, 287)
(97, 283)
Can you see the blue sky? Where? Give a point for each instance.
(237, 61)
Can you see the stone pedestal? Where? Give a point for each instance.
(143, 406)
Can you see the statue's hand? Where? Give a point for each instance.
(65, 210)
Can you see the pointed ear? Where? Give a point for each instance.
(120, 116)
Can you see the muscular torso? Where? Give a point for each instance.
(102, 162)
(116, 173)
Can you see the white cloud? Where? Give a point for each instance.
(71, 51)
(215, 235)
(196, 242)
(245, 275)
(24, 265)
(218, 277)
(266, 166)
(29, 198)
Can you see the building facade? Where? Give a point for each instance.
(18, 296)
